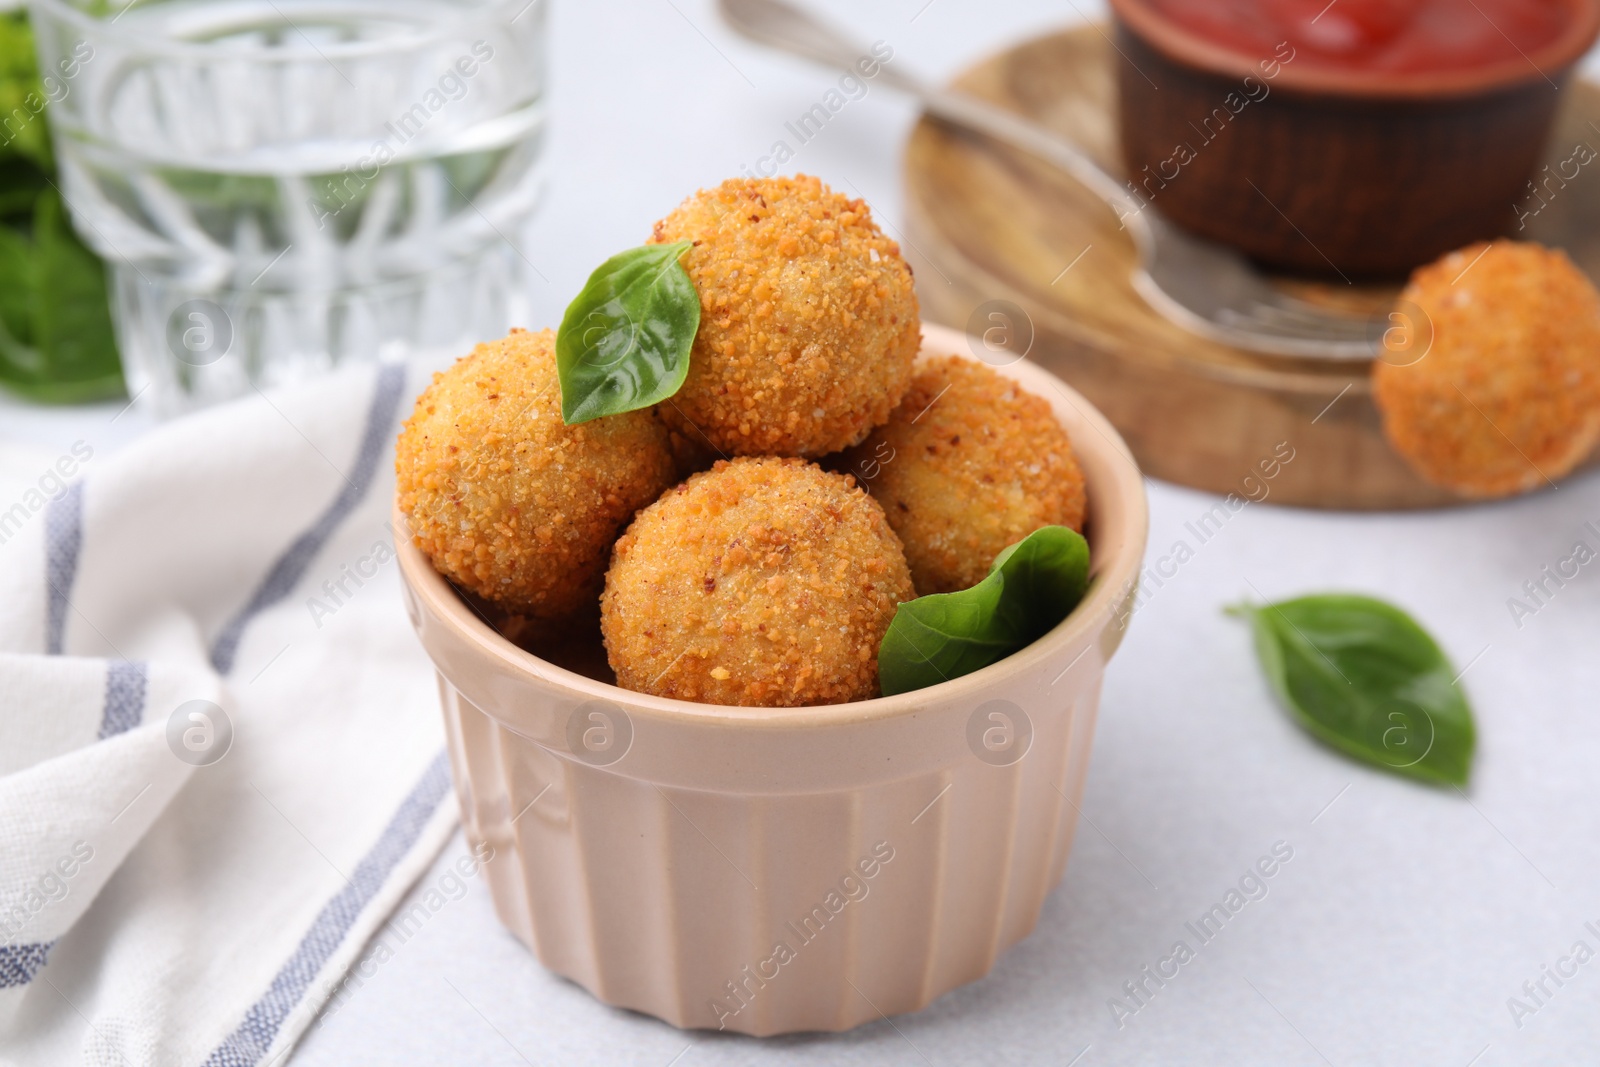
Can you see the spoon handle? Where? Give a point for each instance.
(780, 25)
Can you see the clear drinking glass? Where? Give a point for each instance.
(281, 186)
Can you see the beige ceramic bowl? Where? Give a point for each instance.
(772, 870)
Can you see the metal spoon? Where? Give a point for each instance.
(1204, 287)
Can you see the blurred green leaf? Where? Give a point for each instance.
(23, 131)
(21, 182)
(56, 338)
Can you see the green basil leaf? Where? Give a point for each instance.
(74, 318)
(22, 94)
(624, 342)
(19, 286)
(21, 182)
(1362, 676)
(56, 339)
(1030, 588)
(57, 344)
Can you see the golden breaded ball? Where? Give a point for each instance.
(1507, 396)
(808, 321)
(507, 500)
(764, 582)
(967, 465)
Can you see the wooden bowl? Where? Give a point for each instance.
(993, 232)
(1333, 172)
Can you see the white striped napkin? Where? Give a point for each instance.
(220, 744)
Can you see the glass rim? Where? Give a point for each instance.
(65, 10)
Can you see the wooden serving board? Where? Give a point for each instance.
(987, 223)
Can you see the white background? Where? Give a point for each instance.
(1408, 914)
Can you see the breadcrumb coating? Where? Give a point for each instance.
(808, 320)
(1507, 397)
(967, 465)
(762, 582)
(505, 499)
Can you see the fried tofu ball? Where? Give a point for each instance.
(764, 582)
(1507, 396)
(808, 321)
(967, 465)
(508, 501)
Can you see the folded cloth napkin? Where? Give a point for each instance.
(220, 746)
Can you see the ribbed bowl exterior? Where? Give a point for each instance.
(776, 870)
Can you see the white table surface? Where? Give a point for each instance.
(1408, 915)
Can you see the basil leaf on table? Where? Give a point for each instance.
(624, 342)
(1362, 676)
(1030, 588)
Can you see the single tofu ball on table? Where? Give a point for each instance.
(808, 320)
(968, 465)
(763, 582)
(1506, 397)
(508, 501)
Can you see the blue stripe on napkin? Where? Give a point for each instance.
(291, 566)
(19, 963)
(63, 538)
(246, 1045)
(126, 683)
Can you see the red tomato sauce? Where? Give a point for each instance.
(1393, 36)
